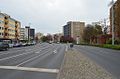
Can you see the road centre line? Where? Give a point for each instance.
(55, 71)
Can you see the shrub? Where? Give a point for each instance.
(109, 41)
(117, 41)
(117, 47)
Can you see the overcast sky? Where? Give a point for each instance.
(48, 16)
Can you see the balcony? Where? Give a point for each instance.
(6, 21)
(6, 36)
(16, 25)
(16, 34)
(6, 31)
(6, 26)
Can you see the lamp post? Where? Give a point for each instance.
(112, 17)
(113, 35)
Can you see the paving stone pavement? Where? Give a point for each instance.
(78, 66)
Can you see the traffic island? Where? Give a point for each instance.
(78, 66)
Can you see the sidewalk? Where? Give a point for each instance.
(78, 66)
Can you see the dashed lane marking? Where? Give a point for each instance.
(55, 71)
(37, 52)
(32, 58)
(66, 49)
(14, 56)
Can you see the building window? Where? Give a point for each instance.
(2, 28)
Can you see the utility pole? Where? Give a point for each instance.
(113, 35)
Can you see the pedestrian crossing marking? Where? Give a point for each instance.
(44, 70)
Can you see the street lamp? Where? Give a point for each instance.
(113, 35)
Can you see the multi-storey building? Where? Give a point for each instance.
(27, 34)
(67, 30)
(2, 23)
(116, 8)
(74, 29)
(9, 27)
(32, 34)
(22, 34)
(38, 36)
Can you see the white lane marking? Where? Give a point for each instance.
(37, 52)
(55, 51)
(10, 52)
(19, 55)
(29, 60)
(30, 69)
(32, 58)
(15, 56)
(66, 49)
(26, 50)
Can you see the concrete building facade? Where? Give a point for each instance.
(116, 8)
(9, 27)
(32, 34)
(74, 29)
(27, 34)
(22, 33)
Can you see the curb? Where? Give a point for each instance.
(58, 75)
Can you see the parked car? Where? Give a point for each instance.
(17, 45)
(10, 45)
(4, 45)
(24, 44)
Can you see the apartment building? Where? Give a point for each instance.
(9, 27)
(74, 29)
(32, 34)
(116, 8)
(22, 33)
(2, 25)
(27, 34)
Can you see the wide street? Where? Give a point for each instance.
(41, 61)
(107, 58)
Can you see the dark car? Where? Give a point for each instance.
(71, 45)
(4, 45)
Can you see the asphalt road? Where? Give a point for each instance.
(41, 61)
(107, 58)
